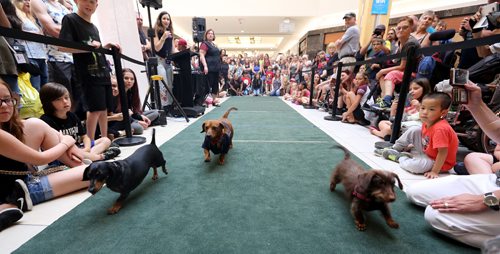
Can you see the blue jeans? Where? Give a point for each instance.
(256, 91)
(39, 188)
(38, 81)
(275, 92)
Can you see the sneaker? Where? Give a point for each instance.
(378, 152)
(22, 196)
(383, 144)
(111, 153)
(391, 154)
(9, 216)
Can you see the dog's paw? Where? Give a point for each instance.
(360, 226)
(113, 210)
(391, 223)
(332, 187)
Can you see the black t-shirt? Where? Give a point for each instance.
(91, 68)
(70, 126)
(7, 181)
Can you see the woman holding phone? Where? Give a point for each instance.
(163, 47)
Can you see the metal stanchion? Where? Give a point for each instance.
(311, 92)
(334, 116)
(129, 140)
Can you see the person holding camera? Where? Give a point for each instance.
(481, 31)
(465, 207)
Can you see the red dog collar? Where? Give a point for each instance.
(359, 195)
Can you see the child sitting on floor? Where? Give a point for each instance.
(433, 146)
(352, 100)
(57, 104)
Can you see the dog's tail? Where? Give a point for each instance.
(347, 154)
(227, 112)
(153, 141)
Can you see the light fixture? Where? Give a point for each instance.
(286, 20)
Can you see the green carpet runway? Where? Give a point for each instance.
(271, 196)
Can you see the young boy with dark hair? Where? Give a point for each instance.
(91, 68)
(433, 146)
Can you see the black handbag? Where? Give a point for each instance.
(22, 60)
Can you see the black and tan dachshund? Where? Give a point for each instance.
(367, 190)
(123, 176)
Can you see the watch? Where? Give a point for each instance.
(498, 178)
(491, 201)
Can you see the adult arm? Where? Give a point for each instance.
(158, 43)
(3, 19)
(39, 10)
(203, 60)
(463, 203)
(487, 120)
(14, 149)
(438, 163)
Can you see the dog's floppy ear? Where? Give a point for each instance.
(86, 173)
(364, 181)
(221, 126)
(395, 176)
(203, 127)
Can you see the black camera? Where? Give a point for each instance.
(377, 32)
(151, 3)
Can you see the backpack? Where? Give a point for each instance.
(426, 67)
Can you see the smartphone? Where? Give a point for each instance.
(485, 11)
(458, 79)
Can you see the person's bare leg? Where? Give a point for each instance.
(92, 119)
(45, 137)
(103, 123)
(389, 88)
(478, 163)
(67, 181)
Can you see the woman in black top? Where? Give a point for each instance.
(163, 47)
(210, 61)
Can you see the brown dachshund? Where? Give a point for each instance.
(367, 190)
(218, 137)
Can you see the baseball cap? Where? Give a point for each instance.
(349, 15)
(181, 42)
(380, 27)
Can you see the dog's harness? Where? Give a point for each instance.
(359, 195)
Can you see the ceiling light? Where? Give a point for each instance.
(286, 20)
(242, 31)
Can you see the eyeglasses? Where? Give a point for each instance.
(8, 102)
(375, 44)
(399, 28)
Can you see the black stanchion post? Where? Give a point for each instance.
(311, 79)
(334, 117)
(129, 140)
(410, 63)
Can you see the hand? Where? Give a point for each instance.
(75, 154)
(463, 203)
(113, 45)
(431, 175)
(95, 44)
(119, 117)
(205, 70)
(380, 74)
(68, 140)
(474, 94)
(146, 119)
(465, 24)
(143, 124)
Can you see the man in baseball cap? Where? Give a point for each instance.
(349, 15)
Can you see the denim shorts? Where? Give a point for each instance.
(39, 188)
